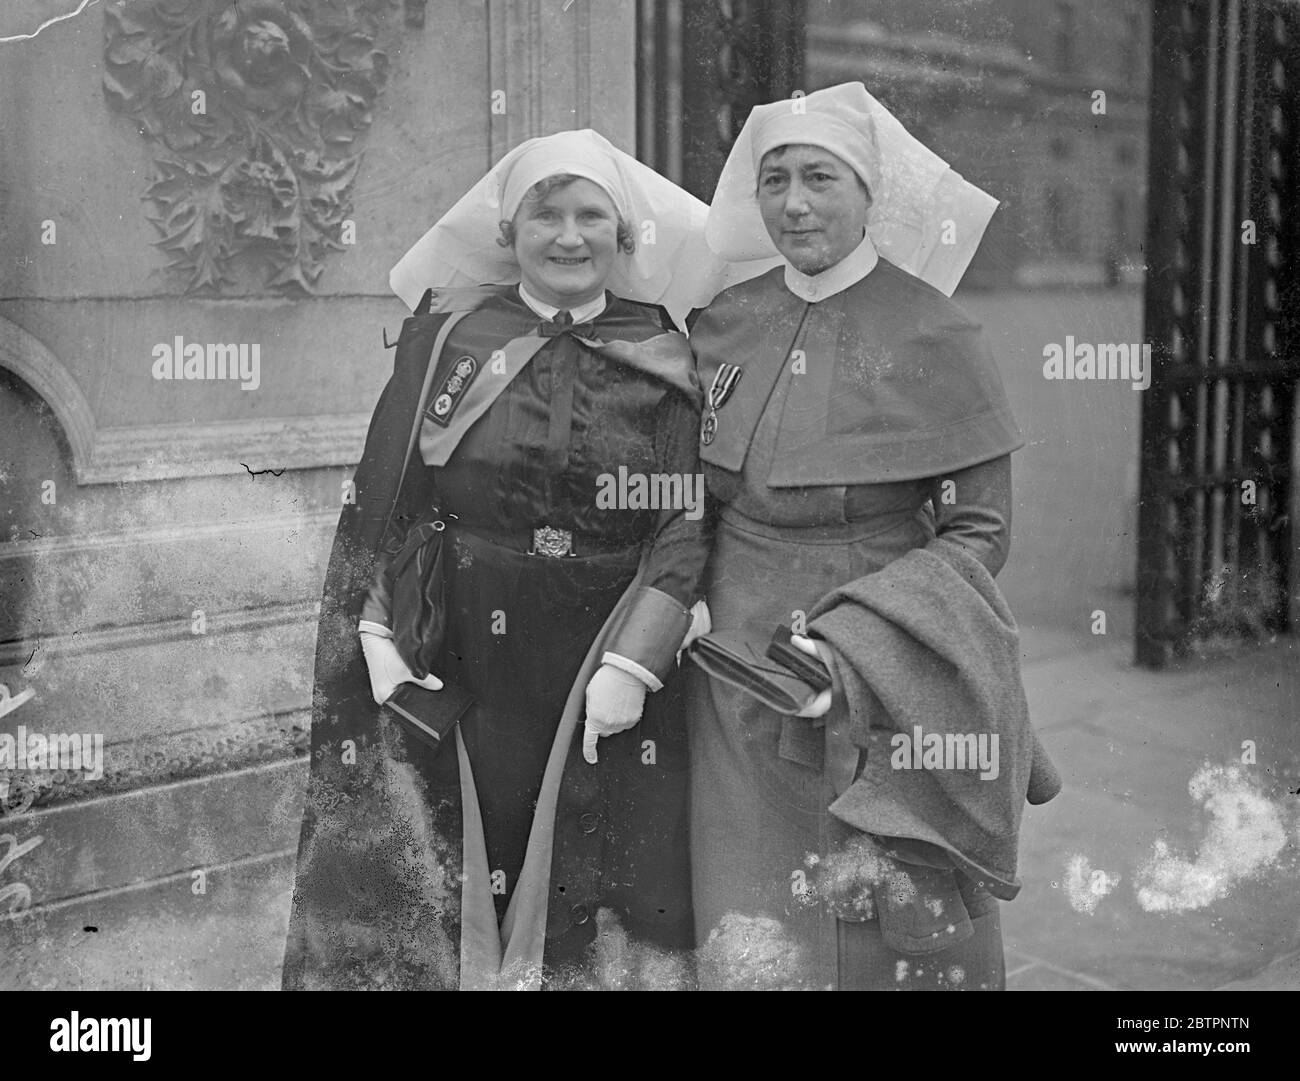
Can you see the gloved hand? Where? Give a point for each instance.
(615, 700)
(387, 669)
(819, 704)
(701, 625)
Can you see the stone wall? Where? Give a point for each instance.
(226, 175)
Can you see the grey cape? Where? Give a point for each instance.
(928, 647)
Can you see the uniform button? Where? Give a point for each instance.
(589, 822)
(579, 914)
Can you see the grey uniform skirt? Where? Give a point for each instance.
(761, 838)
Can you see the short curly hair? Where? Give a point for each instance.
(543, 188)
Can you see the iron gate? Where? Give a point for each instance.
(1219, 513)
(1217, 521)
(703, 64)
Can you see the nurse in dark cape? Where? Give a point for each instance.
(487, 549)
(858, 439)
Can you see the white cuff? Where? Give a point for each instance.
(623, 664)
(365, 626)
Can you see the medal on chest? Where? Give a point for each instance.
(724, 382)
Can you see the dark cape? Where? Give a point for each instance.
(378, 894)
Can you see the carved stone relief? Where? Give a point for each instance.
(254, 112)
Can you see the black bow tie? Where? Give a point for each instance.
(563, 322)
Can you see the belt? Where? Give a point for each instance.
(830, 533)
(547, 540)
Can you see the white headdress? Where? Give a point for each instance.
(924, 217)
(462, 249)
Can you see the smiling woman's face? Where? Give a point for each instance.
(566, 243)
(813, 204)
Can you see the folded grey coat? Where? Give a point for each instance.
(926, 647)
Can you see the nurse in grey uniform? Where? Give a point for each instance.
(853, 413)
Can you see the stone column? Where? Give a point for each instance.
(558, 64)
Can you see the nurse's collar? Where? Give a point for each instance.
(850, 270)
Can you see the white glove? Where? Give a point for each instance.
(615, 700)
(819, 704)
(387, 669)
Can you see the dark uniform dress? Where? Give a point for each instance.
(825, 471)
(519, 625)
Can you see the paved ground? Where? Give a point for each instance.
(1128, 742)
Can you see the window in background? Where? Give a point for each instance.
(1065, 28)
(1119, 221)
(1133, 44)
(1056, 220)
(1003, 91)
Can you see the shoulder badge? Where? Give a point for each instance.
(452, 391)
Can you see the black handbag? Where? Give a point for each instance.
(416, 588)
(782, 678)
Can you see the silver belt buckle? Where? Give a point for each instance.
(549, 541)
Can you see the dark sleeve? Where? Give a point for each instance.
(651, 633)
(972, 508)
(974, 512)
(418, 494)
(683, 535)
(418, 491)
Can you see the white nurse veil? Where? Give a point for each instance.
(461, 249)
(924, 217)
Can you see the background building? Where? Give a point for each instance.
(1005, 90)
